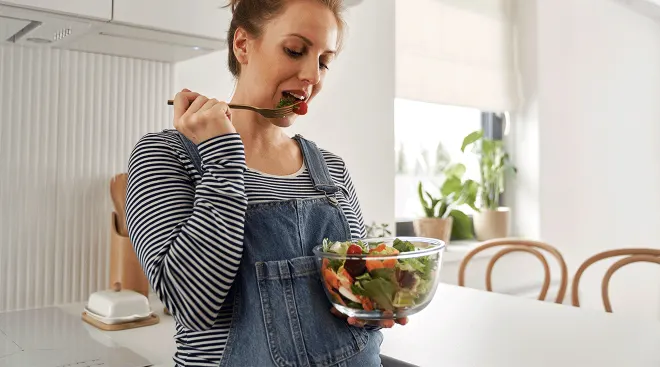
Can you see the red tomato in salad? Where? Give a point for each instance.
(354, 250)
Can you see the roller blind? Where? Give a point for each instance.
(456, 52)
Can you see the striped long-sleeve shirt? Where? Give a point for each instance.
(189, 235)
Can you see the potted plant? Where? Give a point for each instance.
(491, 220)
(378, 230)
(442, 217)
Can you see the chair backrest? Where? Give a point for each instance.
(519, 245)
(633, 255)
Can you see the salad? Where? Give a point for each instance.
(378, 284)
(288, 100)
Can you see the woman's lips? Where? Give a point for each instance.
(299, 97)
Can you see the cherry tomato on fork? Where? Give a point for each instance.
(301, 108)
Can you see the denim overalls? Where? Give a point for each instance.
(281, 315)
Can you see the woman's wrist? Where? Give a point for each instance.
(223, 148)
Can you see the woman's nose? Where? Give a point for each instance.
(310, 72)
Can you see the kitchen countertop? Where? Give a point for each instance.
(467, 327)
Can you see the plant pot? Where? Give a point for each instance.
(439, 228)
(489, 224)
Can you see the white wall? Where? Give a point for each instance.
(68, 122)
(523, 193)
(353, 116)
(588, 137)
(206, 74)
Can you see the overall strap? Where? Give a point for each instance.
(193, 153)
(316, 166)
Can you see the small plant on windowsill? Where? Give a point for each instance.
(443, 218)
(378, 230)
(492, 220)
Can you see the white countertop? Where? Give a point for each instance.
(467, 327)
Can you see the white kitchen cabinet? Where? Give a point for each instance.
(202, 18)
(98, 9)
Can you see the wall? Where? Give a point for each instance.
(353, 116)
(523, 192)
(585, 138)
(68, 121)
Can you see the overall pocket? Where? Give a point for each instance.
(301, 330)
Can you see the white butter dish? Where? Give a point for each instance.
(117, 306)
(117, 320)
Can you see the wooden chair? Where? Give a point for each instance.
(633, 255)
(519, 245)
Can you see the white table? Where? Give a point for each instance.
(466, 327)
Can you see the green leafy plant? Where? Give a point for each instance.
(494, 164)
(378, 230)
(455, 191)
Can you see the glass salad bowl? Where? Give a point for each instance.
(380, 278)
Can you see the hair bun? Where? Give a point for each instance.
(233, 4)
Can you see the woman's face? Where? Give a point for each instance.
(292, 56)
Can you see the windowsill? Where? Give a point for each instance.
(457, 250)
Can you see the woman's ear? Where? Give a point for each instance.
(241, 46)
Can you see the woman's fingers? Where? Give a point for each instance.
(387, 323)
(182, 101)
(354, 321)
(209, 104)
(195, 106)
(222, 108)
(200, 118)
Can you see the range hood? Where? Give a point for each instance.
(23, 26)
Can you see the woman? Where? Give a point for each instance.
(224, 211)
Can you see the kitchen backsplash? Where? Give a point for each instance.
(68, 121)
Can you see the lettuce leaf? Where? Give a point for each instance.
(358, 290)
(339, 247)
(335, 264)
(403, 246)
(380, 291)
(365, 276)
(413, 264)
(422, 289)
(384, 273)
(365, 247)
(326, 245)
(404, 299)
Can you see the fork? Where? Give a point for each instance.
(269, 113)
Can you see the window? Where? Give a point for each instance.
(428, 137)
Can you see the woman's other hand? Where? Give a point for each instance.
(200, 118)
(361, 323)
